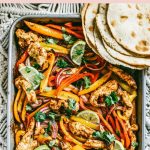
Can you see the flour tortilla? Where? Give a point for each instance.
(144, 62)
(90, 15)
(84, 31)
(101, 49)
(130, 26)
(105, 32)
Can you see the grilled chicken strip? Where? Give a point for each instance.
(124, 76)
(104, 90)
(27, 142)
(26, 38)
(56, 104)
(94, 144)
(21, 82)
(80, 130)
(65, 145)
(126, 100)
(38, 53)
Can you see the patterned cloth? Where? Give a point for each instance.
(8, 14)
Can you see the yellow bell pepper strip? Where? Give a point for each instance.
(62, 95)
(42, 139)
(18, 135)
(44, 82)
(66, 133)
(44, 30)
(133, 95)
(55, 47)
(85, 122)
(121, 116)
(20, 103)
(96, 84)
(23, 114)
(16, 115)
(81, 139)
(77, 147)
(29, 117)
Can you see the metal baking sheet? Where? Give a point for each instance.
(140, 77)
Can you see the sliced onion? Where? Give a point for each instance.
(54, 130)
(37, 124)
(44, 125)
(45, 108)
(85, 100)
(58, 75)
(35, 105)
(95, 69)
(27, 62)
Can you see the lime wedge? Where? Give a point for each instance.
(77, 52)
(31, 75)
(89, 115)
(118, 145)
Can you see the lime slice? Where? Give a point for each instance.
(31, 75)
(42, 147)
(118, 145)
(90, 116)
(77, 52)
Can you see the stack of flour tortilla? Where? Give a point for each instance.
(119, 32)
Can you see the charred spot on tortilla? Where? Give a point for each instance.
(148, 29)
(123, 18)
(133, 34)
(143, 46)
(139, 15)
(113, 23)
(129, 6)
(94, 11)
(91, 28)
(137, 7)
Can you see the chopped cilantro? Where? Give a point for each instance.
(87, 82)
(36, 65)
(72, 104)
(69, 39)
(29, 89)
(48, 129)
(105, 136)
(61, 63)
(117, 132)
(79, 51)
(40, 117)
(111, 99)
(134, 144)
(38, 78)
(28, 107)
(53, 116)
(27, 69)
(51, 41)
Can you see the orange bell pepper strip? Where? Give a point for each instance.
(77, 147)
(29, 117)
(107, 125)
(70, 80)
(20, 103)
(96, 84)
(62, 126)
(42, 139)
(23, 114)
(55, 47)
(112, 122)
(44, 82)
(68, 24)
(85, 122)
(81, 139)
(19, 133)
(51, 81)
(66, 30)
(22, 58)
(44, 30)
(118, 128)
(125, 132)
(62, 95)
(16, 115)
(82, 104)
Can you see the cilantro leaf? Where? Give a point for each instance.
(72, 104)
(117, 132)
(40, 117)
(134, 144)
(37, 78)
(52, 116)
(69, 39)
(61, 63)
(36, 65)
(111, 99)
(27, 69)
(105, 136)
(51, 41)
(87, 82)
(79, 51)
(28, 107)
